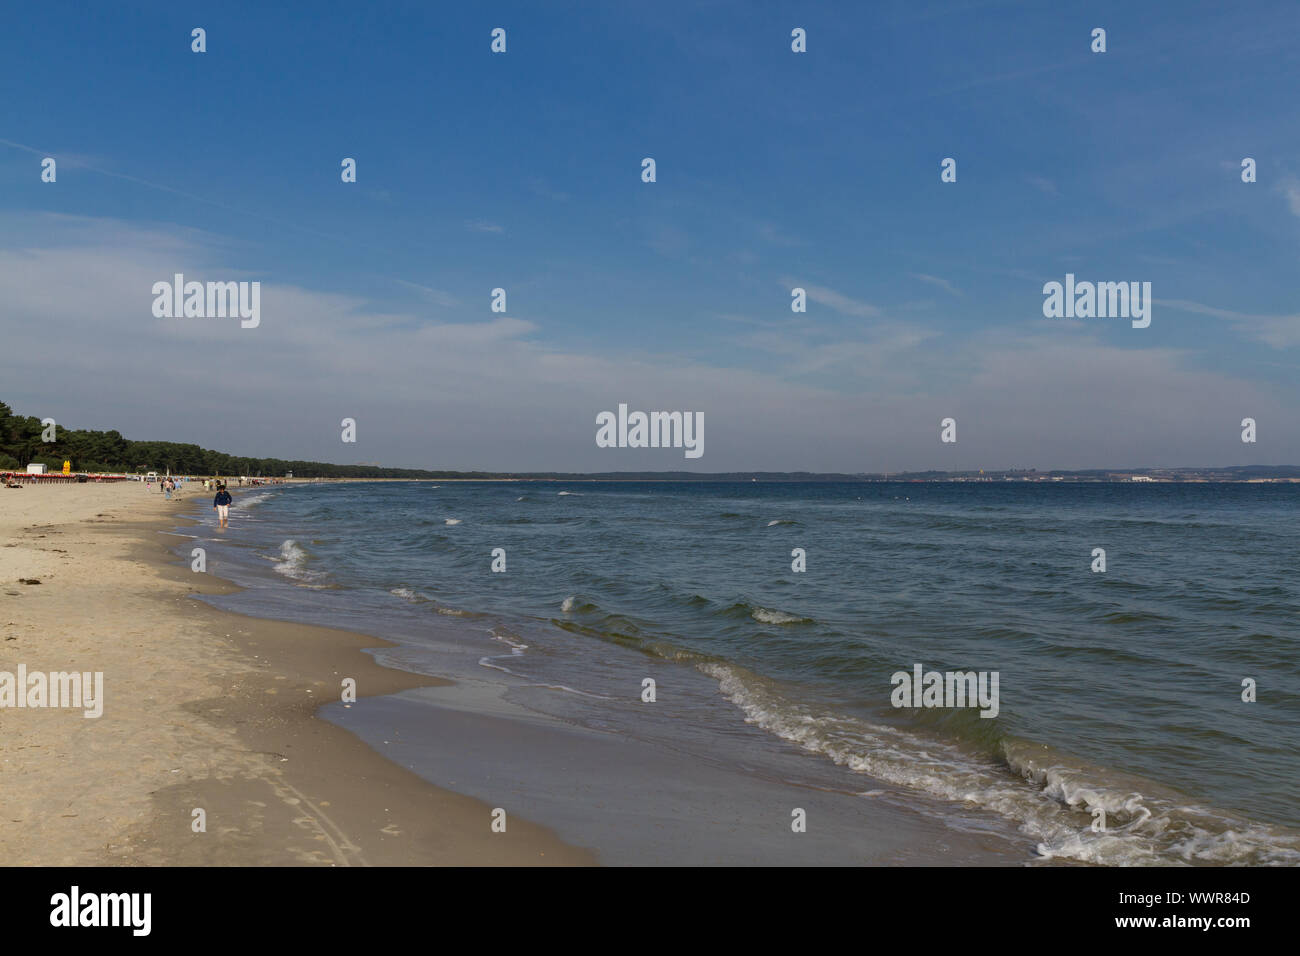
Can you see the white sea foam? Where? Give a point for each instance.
(292, 563)
(1052, 805)
(491, 662)
(292, 558)
(516, 647)
(452, 521)
(419, 597)
(569, 603)
(779, 521)
(768, 616)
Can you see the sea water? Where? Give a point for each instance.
(1121, 735)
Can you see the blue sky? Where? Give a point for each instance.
(774, 169)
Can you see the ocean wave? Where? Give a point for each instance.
(292, 562)
(451, 521)
(768, 616)
(517, 649)
(779, 521)
(1138, 617)
(516, 646)
(744, 610)
(419, 597)
(626, 632)
(491, 662)
(1052, 802)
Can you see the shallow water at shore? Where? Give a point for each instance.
(1120, 692)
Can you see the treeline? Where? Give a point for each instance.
(22, 442)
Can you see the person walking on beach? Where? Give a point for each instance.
(222, 503)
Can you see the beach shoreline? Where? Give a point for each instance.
(551, 659)
(210, 709)
(203, 710)
(677, 784)
(223, 695)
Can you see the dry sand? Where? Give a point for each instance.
(202, 709)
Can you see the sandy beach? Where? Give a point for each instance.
(202, 709)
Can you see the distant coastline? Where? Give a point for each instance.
(1256, 474)
(23, 442)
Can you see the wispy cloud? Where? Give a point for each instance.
(886, 355)
(541, 187)
(941, 283)
(481, 225)
(834, 300)
(436, 296)
(81, 163)
(1043, 184)
(770, 233)
(1291, 189)
(742, 319)
(1278, 331)
(842, 303)
(465, 393)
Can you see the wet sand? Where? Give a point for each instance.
(203, 710)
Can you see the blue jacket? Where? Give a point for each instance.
(222, 498)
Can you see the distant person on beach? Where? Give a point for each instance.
(222, 503)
